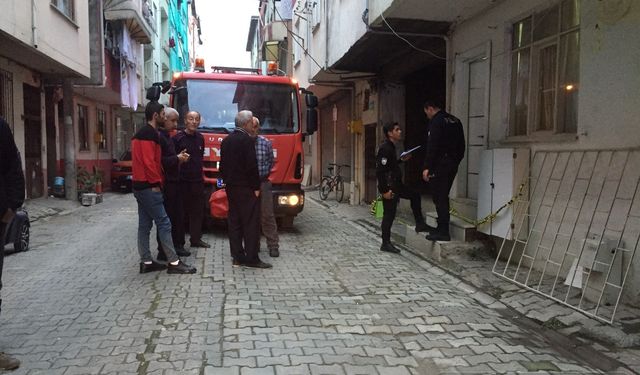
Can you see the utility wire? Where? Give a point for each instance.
(408, 42)
(306, 51)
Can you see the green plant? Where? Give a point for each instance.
(87, 181)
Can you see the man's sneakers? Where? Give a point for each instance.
(424, 227)
(389, 248)
(180, 268)
(150, 267)
(200, 243)
(258, 264)
(236, 263)
(274, 253)
(7, 362)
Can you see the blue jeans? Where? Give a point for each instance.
(150, 210)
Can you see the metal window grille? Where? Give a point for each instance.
(577, 233)
(6, 96)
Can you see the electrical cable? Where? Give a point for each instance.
(409, 43)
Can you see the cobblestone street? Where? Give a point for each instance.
(333, 304)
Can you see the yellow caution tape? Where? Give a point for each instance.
(492, 216)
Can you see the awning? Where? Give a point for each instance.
(132, 14)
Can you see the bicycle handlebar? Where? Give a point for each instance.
(339, 165)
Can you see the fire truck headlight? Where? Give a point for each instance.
(290, 200)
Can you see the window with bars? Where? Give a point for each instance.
(545, 62)
(66, 7)
(83, 127)
(102, 130)
(6, 96)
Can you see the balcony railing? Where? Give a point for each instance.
(136, 15)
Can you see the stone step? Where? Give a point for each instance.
(458, 229)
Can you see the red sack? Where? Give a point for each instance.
(218, 204)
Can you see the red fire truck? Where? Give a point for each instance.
(219, 95)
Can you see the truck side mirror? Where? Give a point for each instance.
(153, 93)
(312, 120)
(311, 100)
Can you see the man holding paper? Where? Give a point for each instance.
(391, 187)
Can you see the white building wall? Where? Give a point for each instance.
(609, 80)
(56, 36)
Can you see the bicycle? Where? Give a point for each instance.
(333, 182)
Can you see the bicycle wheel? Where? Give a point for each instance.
(325, 187)
(339, 189)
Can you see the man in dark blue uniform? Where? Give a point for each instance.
(391, 187)
(445, 150)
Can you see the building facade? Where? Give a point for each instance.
(547, 81)
(36, 38)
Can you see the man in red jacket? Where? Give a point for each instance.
(146, 155)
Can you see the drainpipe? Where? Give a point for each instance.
(326, 35)
(34, 29)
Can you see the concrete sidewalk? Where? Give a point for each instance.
(473, 263)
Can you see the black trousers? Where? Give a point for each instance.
(173, 206)
(390, 206)
(244, 223)
(192, 194)
(441, 184)
(3, 227)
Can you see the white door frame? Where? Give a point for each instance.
(462, 62)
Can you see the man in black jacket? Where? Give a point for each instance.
(239, 169)
(192, 179)
(170, 190)
(445, 150)
(391, 187)
(11, 198)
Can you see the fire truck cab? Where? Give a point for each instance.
(275, 100)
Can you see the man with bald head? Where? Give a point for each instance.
(192, 179)
(239, 169)
(171, 161)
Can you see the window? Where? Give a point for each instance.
(6, 96)
(66, 7)
(316, 13)
(83, 127)
(545, 61)
(102, 130)
(298, 43)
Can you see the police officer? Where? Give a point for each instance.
(391, 187)
(445, 150)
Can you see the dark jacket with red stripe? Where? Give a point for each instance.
(146, 158)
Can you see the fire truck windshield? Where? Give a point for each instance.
(218, 102)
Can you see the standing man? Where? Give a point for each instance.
(391, 187)
(11, 198)
(445, 150)
(239, 169)
(146, 155)
(170, 166)
(192, 180)
(264, 154)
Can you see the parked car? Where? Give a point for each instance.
(18, 231)
(121, 173)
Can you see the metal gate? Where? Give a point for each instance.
(576, 234)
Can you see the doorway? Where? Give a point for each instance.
(33, 142)
(475, 66)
